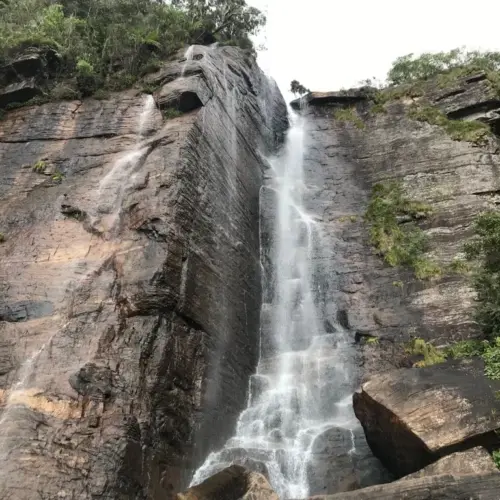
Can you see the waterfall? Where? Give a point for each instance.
(113, 186)
(303, 385)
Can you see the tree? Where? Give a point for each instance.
(297, 88)
(224, 20)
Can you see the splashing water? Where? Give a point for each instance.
(303, 378)
(188, 55)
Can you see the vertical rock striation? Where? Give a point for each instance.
(130, 279)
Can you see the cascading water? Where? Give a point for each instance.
(303, 384)
(113, 186)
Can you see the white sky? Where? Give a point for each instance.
(329, 44)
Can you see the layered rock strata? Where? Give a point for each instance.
(130, 279)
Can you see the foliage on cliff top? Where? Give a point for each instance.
(112, 36)
(410, 68)
(393, 230)
(349, 115)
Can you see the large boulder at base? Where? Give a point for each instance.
(233, 483)
(412, 417)
(444, 487)
(475, 461)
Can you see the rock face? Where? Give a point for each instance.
(457, 178)
(474, 461)
(233, 483)
(443, 487)
(130, 280)
(413, 416)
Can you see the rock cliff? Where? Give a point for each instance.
(457, 178)
(130, 278)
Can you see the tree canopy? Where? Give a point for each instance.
(107, 37)
(410, 68)
(297, 88)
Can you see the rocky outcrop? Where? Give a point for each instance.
(233, 483)
(130, 280)
(474, 461)
(443, 487)
(411, 417)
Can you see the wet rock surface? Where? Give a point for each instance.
(411, 417)
(130, 285)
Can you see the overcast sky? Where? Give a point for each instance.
(329, 44)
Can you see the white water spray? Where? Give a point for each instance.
(302, 381)
(188, 55)
(113, 186)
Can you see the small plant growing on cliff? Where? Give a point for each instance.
(432, 356)
(58, 177)
(496, 458)
(458, 130)
(40, 166)
(491, 358)
(398, 243)
(171, 113)
(2, 238)
(349, 115)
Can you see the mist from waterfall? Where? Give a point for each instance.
(303, 384)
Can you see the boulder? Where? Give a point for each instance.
(474, 461)
(19, 92)
(412, 417)
(443, 487)
(340, 460)
(233, 483)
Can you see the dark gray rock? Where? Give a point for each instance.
(19, 92)
(93, 381)
(412, 417)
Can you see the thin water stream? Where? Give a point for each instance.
(303, 384)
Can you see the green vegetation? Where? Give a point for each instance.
(398, 284)
(57, 176)
(114, 42)
(458, 130)
(465, 349)
(452, 64)
(399, 244)
(348, 218)
(496, 458)
(483, 251)
(372, 340)
(458, 266)
(349, 115)
(491, 358)
(2, 238)
(170, 113)
(432, 356)
(378, 108)
(40, 166)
